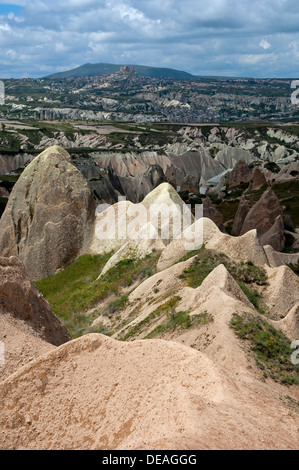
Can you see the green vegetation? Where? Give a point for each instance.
(74, 291)
(182, 320)
(172, 320)
(288, 193)
(247, 275)
(166, 308)
(271, 348)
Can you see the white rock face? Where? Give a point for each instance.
(135, 230)
(244, 248)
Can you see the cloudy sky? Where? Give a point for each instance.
(257, 38)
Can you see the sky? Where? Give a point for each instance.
(237, 38)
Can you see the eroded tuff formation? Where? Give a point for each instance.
(141, 395)
(174, 375)
(263, 214)
(49, 217)
(28, 326)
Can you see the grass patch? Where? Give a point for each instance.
(166, 308)
(181, 320)
(174, 320)
(247, 275)
(271, 348)
(72, 292)
(207, 260)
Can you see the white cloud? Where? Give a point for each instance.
(197, 36)
(265, 44)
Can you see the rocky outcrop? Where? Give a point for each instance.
(20, 298)
(137, 187)
(134, 230)
(262, 214)
(203, 231)
(149, 169)
(221, 278)
(288, 173)
(138, 395)
(146, 242)
(210, 211)
(28, 327)
(9, 163)
(257, 179)
(49, 218)
(275, 235)
(290, 323)
(230, 156)
(278, 259)
(282, 291)
(241, 174)
(242, 211)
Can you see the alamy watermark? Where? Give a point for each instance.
(294, 95)
(123, 221)
(2, 93)
(2, 351)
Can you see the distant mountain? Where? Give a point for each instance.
(99, 69)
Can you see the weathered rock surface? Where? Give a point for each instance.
(257, 179)
(241, 173)
(290, 323)
(140, 395)
(276, 259)
(282, 292)
(210, 211)
(203, 231)
(262, 214)
(230, 156)
(242, 211)
(288, 173)
(28, 327)
(275, 235)
(150, 169)
(147, 240)
(49, 218)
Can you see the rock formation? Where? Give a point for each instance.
(262, 214)
(140, 395)
(203, 231)
(230, 156)
(275, 235)
(210, 211)
(276, 259)
(241, 173)
(257, 180)
(242, 211)
(28, 327)
(180, 378)
(49, 218)
(282, 292)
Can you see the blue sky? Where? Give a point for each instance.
(218, 37)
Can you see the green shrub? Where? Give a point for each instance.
(271, 348)
(246, 274)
